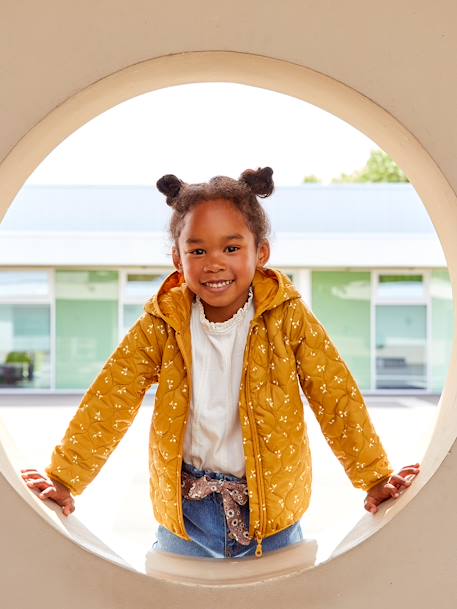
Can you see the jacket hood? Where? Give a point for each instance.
(173, 301)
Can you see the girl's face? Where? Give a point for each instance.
(218, 257)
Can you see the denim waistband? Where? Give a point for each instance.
(199, 473)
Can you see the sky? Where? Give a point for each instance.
(200, 130)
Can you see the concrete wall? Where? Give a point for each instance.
(389, 69)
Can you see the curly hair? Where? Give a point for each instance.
(243, 193)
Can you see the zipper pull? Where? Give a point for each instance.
(258, 550)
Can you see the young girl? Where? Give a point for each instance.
(229, 343)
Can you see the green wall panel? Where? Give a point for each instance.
(341, 302)
(86, 325)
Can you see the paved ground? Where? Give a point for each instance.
(116, 507)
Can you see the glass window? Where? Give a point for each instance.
(401, 347)
(442, 327)
(142, 286)
(86, 325)
(400, 287)
(23, 283)
(25, 346)
(131, 313)
(139, 288)
(341, 301)
(87, 285)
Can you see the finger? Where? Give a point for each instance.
(46, 492)
(39, 485)
(68, 507)
(31, 476)
(371, 505)
(408, 470)
(392, 490)
(38, 480)
(32, 473)
(410, 478)
(400, 482)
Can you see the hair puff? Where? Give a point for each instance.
(260, 181)
(170, 186)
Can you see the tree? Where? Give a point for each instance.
(311, 179)
(380, 167)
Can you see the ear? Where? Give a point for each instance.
(176, 259)
(263, 253)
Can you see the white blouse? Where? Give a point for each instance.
(213, 439)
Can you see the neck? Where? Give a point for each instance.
(221, 314)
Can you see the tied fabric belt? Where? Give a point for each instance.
(234, 494)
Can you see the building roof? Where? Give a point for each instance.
(350, 225)
(311, 208)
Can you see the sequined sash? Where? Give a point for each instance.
(234, 495)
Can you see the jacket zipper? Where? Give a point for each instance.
(180, 457)
(260, 486)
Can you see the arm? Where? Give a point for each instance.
(109, 406)
(336, 400)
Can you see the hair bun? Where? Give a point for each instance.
(260, 181)
(169, 185)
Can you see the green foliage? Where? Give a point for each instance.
(380, 167)
(311, 179)
(18, 357)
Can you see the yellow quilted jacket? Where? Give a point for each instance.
(286, 347)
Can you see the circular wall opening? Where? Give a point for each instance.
(278, 76)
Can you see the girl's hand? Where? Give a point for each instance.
(391, 488)
(49, 489)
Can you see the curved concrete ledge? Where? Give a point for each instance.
(71, 527)
(231, 573)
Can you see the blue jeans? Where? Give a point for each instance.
(207, 527)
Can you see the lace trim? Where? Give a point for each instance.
(223, 326)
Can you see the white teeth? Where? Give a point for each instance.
(218, 284)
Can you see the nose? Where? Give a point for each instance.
(213, 267)
(213, 264)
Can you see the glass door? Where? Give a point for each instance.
(401, 346)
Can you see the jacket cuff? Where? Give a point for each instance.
(376, 482)
(74, 485)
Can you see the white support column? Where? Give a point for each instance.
(302, 280)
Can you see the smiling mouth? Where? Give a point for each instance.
(218, 285)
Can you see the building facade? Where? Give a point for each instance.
(77, 265)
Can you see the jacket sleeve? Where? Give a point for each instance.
(336, 400)
(109, 406)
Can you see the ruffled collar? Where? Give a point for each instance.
(217, 327)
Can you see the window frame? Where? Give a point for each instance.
(425, 300)
(32, 300)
